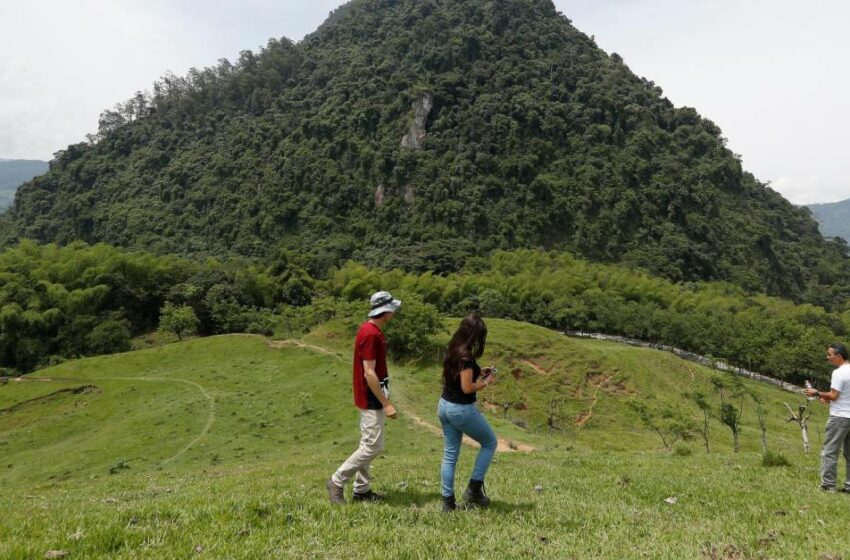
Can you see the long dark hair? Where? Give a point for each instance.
(467, 343)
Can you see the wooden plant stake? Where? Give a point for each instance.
(802, 419)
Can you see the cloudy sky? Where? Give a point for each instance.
(771, 73)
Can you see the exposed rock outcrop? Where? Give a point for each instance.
(407, 194)
(415, 137)
(383, 193)
(379, 196)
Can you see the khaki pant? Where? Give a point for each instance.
(371, 445)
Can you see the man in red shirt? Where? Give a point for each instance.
(371, 396)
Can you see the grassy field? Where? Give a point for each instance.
(219, 448)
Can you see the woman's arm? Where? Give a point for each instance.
(469, 386)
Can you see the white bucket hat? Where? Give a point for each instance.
(383, 302)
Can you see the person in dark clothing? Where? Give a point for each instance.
(458, 414)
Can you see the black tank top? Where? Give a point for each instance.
(453, 392)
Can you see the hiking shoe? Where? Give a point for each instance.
(368, 496)
(336, 494)
(449, 504)
(474, 494)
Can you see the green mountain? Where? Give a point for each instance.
(416, 133)
(218, 448)
(833, 218)
(15, 172)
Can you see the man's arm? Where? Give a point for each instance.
(831, 395)
(375, 386)
(824, 396)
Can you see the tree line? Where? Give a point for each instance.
(79, 300)
(556, 290)
(64, 302)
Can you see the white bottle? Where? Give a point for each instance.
(809, 386)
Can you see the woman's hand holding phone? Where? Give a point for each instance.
(488, 375)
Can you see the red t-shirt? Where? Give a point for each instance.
(370, 344)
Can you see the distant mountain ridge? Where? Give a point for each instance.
(14, 173)
(419, 134)
(833, 218)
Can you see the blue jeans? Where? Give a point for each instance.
(457, 420)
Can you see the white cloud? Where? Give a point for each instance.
(810, 190)
(62, 63)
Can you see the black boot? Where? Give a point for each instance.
(449, 503)
(367, 496)
(475, 493)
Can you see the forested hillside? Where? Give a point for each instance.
(14, 172)
(415, 133)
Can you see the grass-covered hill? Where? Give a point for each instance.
(518, 131)
(218, 447)
(13, 173)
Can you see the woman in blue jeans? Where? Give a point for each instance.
(462, 378)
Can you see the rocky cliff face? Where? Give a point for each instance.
(415, 137)
(407, 192)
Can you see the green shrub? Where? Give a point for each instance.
(774, 459)
(119, 465)
(303, 404)
(682, 450)
(409, 334)
(293, 322)
(179, 320)
(109, 336)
